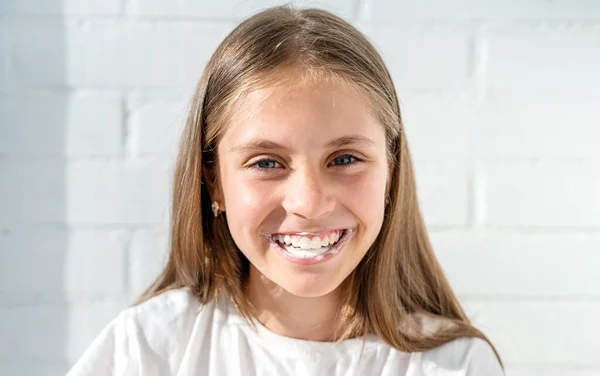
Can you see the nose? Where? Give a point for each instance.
(307, 195)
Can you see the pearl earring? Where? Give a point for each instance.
(215, 208)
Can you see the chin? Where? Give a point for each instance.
(308, 287)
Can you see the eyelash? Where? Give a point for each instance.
(354, 158)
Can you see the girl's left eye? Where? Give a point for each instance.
(344, 160)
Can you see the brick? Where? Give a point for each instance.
(508, 265)
(438, 125)
(5, 37)
(94, 124)
(4, 71)
(84, 191)
(542, 193)
(68, 7)
(53, 333)
(550, 333)
(74, 52)
(81, 123)
(111, 52)
(149, 251)
(157, 123)
(118, 192)
(545, 59)
(5, 53)
(34, 41)
(443, 192)
(488, 9)
(33, 191)
(140, 53)
(96, 52)
(168, 54)
(557, 125)
(423, 59)
(28, 368)
(92, 255)
(229, 9)
(62, 262)
(86, 321)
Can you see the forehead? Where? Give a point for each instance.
(291, 107)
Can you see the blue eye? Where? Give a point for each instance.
(266, 164)
(344, 160)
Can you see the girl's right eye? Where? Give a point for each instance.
(266, 164)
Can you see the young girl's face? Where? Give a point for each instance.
(303, 174)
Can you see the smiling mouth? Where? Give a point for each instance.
(312, 243)
(308, 250)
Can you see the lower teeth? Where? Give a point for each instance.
(306, 253)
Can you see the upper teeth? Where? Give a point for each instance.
(305, 242)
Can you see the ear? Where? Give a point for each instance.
(214, 189)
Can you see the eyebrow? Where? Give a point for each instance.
(270, 145)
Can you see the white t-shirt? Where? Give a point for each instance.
(173, 334)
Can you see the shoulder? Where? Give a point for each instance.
(164, 321)
(152, 334)
(170, 308)
(467, 356)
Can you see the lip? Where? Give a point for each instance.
(348, 234)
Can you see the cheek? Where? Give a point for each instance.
(365, 193)
(365, 199)
(244, 214)
(245, 203)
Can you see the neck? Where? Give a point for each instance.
(307, 318)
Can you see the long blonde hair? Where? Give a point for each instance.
(400, 275)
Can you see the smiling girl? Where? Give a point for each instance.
(297, 243)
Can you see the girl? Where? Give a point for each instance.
(297, 244)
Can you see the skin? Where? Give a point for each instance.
(299, 182)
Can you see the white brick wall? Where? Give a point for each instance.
(94, 122)
(500, 101)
